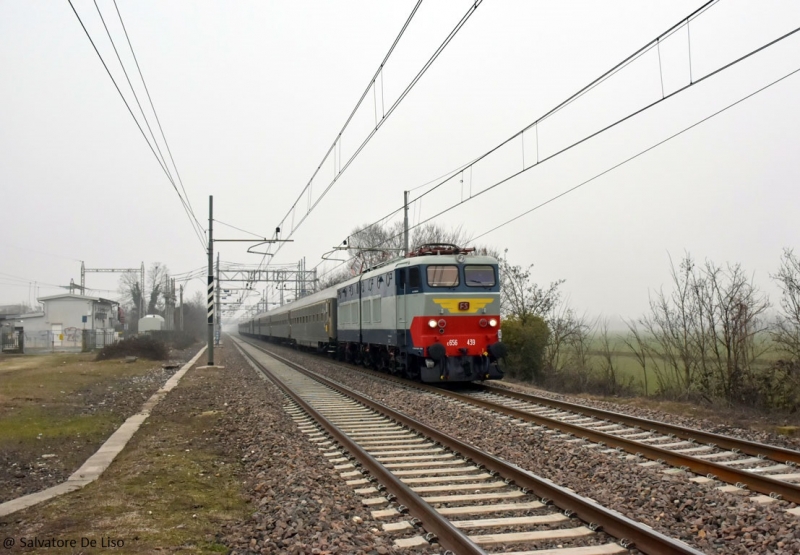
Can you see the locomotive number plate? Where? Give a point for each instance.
(463, 305)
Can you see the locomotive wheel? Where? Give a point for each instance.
(384, 362)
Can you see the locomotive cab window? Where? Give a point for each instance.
(442, 276)
(479, 276)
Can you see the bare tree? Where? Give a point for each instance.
(786, 332)
(333, 278)
(636, 342)
(705, 333)
(733, 308)
(131, 291)
(671, 323)
(370, 245)
(564, 325)
(523, 298)
(608, 365)
(20, 308)
(579, 344)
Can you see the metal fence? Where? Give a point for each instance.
(72, 340)
(11, 342)
(97, 339)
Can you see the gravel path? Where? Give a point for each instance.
(710, 520)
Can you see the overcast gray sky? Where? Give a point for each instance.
(252, 94)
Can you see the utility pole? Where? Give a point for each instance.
(219, 307)
(172, 304)
(180, 314)
(210, 296)
(141, 291)
(405, 221)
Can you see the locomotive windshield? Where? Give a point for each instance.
(442, 276)
(479, 276)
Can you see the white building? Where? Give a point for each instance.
(69, 322)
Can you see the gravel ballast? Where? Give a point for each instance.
(709, 520)
(300, 503)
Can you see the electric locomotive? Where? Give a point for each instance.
(432, 316)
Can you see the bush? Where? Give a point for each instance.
(183, 340)
(775, 388)
(142, 346)
(526, 343)
(176, 339)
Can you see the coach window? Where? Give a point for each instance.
(479, 276)
(442, 276)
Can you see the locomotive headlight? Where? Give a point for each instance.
(432, 323)
(442, 323)
(482, 322)
(493, 323)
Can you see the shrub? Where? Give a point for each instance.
(775, 388)
(176, 339)
(142, 346)
(526, 343)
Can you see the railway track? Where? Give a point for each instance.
(767, 469)
(742, 465)
(467, 500)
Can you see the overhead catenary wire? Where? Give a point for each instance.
(603, 130)
(560, 106)
(654, 42)
(158, 120)
(337, 139)
(133, 90)
(609, 170)
(138, 125)
(635, 156)
(392, 108)
(238, 228)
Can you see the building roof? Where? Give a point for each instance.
(76, 296)
(21, 316)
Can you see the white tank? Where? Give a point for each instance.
(151, 322)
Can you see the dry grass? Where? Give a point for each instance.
(54, 378)
(171, 489)
(45, 397)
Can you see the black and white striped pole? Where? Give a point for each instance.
(210, 291)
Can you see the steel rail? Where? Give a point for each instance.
(761, 484)
(633, 533)
(447, 535)
(755, 482)
(779, 454)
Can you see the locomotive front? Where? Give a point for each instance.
(453, 306)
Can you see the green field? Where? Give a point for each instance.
(629, 370)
